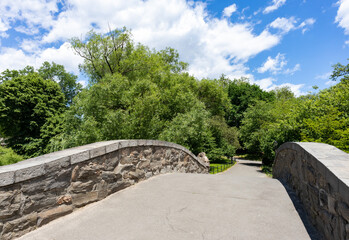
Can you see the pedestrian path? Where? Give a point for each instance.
(240, 203)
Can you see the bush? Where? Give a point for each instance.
(8, 156)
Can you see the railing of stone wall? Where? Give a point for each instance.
(319, 174)
(35, 191)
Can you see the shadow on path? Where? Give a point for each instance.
(313, 233)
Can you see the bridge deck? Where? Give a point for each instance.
(241, 203)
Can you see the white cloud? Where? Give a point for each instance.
(277, 65)
(342, 17)
(274, 6)
(228, 11)
(274, 65)
(286, 25)
(211, 46)
(324, 76)
(291, 71)
(268, 84)
(306, 24)
(11, 58)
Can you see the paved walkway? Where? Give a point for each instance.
(241, 203)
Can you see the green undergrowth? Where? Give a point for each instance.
(8, 156)
(267, 170)
(220, 167)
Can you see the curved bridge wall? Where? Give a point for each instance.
(319, 174)
(38, 190)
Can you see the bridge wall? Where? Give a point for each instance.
(319, 174)
(38, 190)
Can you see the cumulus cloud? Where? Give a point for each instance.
(274, 6)
(342, 17)
(286, 25)
(273, 65)
(210, 45)
(277, 65)
(269, 84)
(228, 11)
(12, 58)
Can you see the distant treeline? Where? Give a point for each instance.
(138, 93)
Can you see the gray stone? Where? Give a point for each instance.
(81, 187)
(29, 173)
(80, 157)
(7, 178)
(97, 152)
(20, 226)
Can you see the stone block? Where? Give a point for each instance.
(81, 187)
(66, 199)
(80, 157)
(112, 147)
(343, 210)
(20, 226)
(10, 203)
(121, 168)
(143, 164)
(38, 202)
(29, 173)
(82, 199)
(55, 166)
(96, 152)
(343, 189)
(7, 178)
(49, 215)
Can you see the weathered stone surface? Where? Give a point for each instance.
(203, 158)
(319, 175)
(20, 226)
(66, 199)
(10, 203)
(29, 173)
(81, 187)
(7, 178)
(80, 200)
(80, 157)
(37, 202)
(54, 184)
(49, 215)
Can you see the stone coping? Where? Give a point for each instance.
(328, 160)
(35, 167)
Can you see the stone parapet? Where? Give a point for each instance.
(36, 191)
(319, 174)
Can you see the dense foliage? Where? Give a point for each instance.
(8, 156)
(26, 102)
(138, 93)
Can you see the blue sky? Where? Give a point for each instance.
(273, 42)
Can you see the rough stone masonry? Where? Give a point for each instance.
(319, 174)
(36, 191)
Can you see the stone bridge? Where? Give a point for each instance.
(241, 203)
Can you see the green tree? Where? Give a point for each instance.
(67, 81)
(26, 102)
(115, 52)
(242, 94)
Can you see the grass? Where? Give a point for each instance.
(267, 170)
(219, 167)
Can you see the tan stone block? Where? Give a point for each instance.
(83, 199)
(49, 215)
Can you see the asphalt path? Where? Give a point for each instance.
(240, 203)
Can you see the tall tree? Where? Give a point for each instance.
(67, 81)
(26, 102)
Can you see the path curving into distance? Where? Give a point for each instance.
(241, 203)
